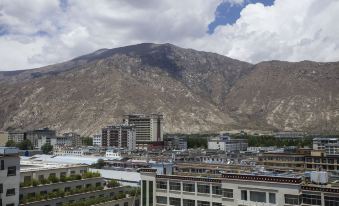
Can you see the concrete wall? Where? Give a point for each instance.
(10, 182)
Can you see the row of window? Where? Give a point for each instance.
(185, 202)
(190, 187)
(256, 196)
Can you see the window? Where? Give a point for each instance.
(41, 177)
(11, 204)
(62, 174)
(216, 190)
(161, 200)
(188, 187)
(311, 199)
(203, 188)
(1, 188)
(228, 193)
(52, 175)
(271, 198)
(216, 204)
(175, 186)
(257, 196)
(98, 184)
(292, 199)
(67, 189)
(27, 179)
(331, 201)
(11, 171)
(187, 202)
(175, 201)
(243, 194)
(203, 203)
(10, 192)
(150, 193)
(144, 191)
(125, 203)
(2, 167)
(162, 185)
(78, 187)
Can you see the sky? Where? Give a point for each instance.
(36, 33)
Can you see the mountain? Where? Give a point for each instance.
(196, 91)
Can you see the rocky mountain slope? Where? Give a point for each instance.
(196, 91)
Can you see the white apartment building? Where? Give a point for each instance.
(227, 144)
(9, 176)
(330, 145)
(97, 140)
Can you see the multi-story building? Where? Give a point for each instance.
(234, 189)
(330, 145)
(119, 136)
(56, 184)
(59, 142)
(75, 138)
(227, 144)
(148, 127)
(175, 143)
(40, 137)
(97, 140)
(3, 138)
(9, 176)
(16, 136)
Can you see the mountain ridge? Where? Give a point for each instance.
(197, 92)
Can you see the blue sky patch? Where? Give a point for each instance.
(228, 13)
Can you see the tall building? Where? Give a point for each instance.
(148, 127)
(227, 144)
(16, 136)
(97, 140)
(119, 136)
(9, 176)
(75, 138)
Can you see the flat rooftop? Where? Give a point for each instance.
(9, 151)
(31, 165)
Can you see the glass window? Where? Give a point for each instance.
(189, 187)
(144, 191)
(187, 202)
(272, 198)
(311, 199)
(257, 196)
(216, 190)
(203, 203)
(243, 194)
(216, 204)
(10, 192)
(292, 199)
(2, 167)
(228, 193)
(150, 193)
(203, 188)
(162, 185)
(175, 201)
(161, 199)
(175, 186)
(11, 171)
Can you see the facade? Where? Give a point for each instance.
(227, 144)
(40, 137)
(234, 189)
(70, 151)
(74, 138)
(330, 145)
(149, 128)
(9, 176)
(175, 143)
(289, 135)
(97, 140)
(16, 136)
(3, 138)
(59, 142)
(119, 136)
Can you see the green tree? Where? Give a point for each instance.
(10, 143)
(46, 148)
(87, 141)
(25, 145)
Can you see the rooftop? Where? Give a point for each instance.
(31, 165)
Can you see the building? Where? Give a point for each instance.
(57, 184)
(16, 136)
(9, 176)
(97, 140)
(70, 151)
(3, 138)
(75, 138)
(119, 136)
(40, 137)
(149, 128)
(59, 142)
(330, 145)
(175, 143)
(289, 135)
(235, 189)
(230, 189)
(227, 144)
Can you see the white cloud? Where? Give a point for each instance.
(41, 32)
